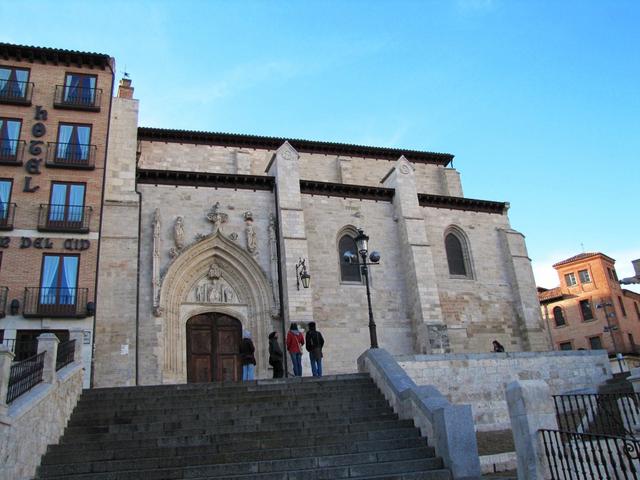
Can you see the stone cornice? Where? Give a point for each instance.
(200, 179)
(461, 203)
(306, 146)
(346, 191)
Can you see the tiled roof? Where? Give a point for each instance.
(581, 256)
(307, 146)
(550, 294)
(53, 55)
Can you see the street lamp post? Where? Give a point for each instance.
(362, 243)
(610, 328)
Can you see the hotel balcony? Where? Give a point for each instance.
(77, 98)
(55, 302)
(71, 155)
(16, 93)
(12, 152)
(64, 218)
(7, 213)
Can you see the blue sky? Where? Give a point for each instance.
(538, 100)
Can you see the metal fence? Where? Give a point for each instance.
(24, 376)
(606, 414)
(66, 354)
(586, 456)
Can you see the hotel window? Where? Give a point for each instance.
(349, 272)
(79, 90)
(595, 343)
(9, 139)
(570, 279)
(58, 282)
(585, 310)
(558, 317)
(635, 304)
(624, 312)
(66, 207)
(566, 346)
(584, 276)
(5, 198)
(14, 84)
(610, 273)
(73, 143)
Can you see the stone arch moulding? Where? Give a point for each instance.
(351, 231)
(244, 275)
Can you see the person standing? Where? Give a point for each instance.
(314, 345)
(247, 358)
(275, 355)
(295, 341)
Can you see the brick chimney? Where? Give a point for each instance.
(636, 267)
(125, 90)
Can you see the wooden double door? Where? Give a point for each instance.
(213, 348)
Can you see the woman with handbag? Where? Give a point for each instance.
(295, 341)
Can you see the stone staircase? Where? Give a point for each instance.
(325, 428)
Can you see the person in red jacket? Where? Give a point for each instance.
(295, 341)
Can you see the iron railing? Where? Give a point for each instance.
(24, 376)
(77, 98)
(7, 214)
(55, 302)
(16, 93)
(64, 218)
(586, 456)
(66, 354)
(608, 414)
(71, 155)
(11, 152)
(4, 293)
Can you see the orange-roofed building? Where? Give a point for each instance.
(589, 307)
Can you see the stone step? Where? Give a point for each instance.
(271, 439)
(323, 460)
(359, 415)
(326, 466)
(152, 430)
(229, 453)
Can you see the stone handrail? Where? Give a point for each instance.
(38, 417)
(449, 428)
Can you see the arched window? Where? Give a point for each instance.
(558, 317)
(457, 251)
(349, 272)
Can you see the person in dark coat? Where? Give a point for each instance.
(247, 357)
(314, 343)
(275, 356)
(497, 346)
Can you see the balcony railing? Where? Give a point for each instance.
(11, 152)
(4, 292)
(7, 213)
(22, 349)
(71, 155)
(77, 98)
(55, 302)
(64, 218)
(24, 376)
(16, 93)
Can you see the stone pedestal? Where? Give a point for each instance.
(6, 358)
(48, 342)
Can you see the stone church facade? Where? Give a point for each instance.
(202, 232)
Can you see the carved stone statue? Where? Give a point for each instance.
(250, 230)
(274, 266)
(216, 217)
(214, 271)
(178, 233)
(155, 276)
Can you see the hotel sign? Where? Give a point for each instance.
(77, 244)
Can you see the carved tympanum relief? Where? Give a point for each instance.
(213, 288)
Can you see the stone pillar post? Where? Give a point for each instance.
(634, 378)
(6, 358)
(48, 342)
(524, 291)
(417, 262)
(298, 304)
(78, 336)
(530, 409)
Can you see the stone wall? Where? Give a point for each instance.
(35, 420)
(480, 379)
